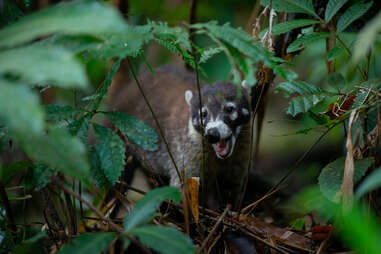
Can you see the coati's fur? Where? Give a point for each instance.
(172, 93)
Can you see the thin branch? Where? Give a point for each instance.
(244, 210)
(203, 166)
(350, 54)
(222, 216)
(290, 171)
(69, 191)
(154, 117)
(250, 149)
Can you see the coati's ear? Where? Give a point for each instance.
(188, 97)
(245, 86)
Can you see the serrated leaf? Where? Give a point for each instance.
(78, 17)
(96, 170)
(38, 177)
(89, 243)
(366, 37)
(145, 208)
(209, 53)
(332, 8)
(299, 87)
(335, 52)
(114, 68)
(111, 151)
(121, 45)
(237, 38)
(306, 40)
(331, 177)
(354, 12)
(43, 65)
(59, 112)
(303, 103)
(80, 127)
(286, 74)
(58, 150)
(300, 6)
(20, 108)
(136, 130)
(370, 183)
(289, 25)
(165, 240)
(308, 96)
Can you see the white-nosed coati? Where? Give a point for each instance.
(172, 93)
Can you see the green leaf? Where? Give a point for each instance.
(286, 74)
(176, 34)
(209, 53)
(59, 113)
(128, 43)
(308, 95)
(89, 243)
(332, 8)
(38, 177)
(145, 208)
(354, 12)
(96, 170)
(300, 6)
(237, 38)
(43, 65)
(58, 150)
(111, 151)
(114, 68)
(366, 37)
(306, 40)
(335, 52)
(9, 171)
(136, 130)
(77, 17)
(31, 245)
(370, 183)
(165, 240)
(80, 127)
(331, 177)
(20, 108)
(289, 25)
(74, 43)
(299, 87)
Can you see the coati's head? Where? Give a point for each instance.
(224, 110)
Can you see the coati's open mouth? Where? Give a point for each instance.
(224, 147)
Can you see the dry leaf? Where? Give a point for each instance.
(193, 185)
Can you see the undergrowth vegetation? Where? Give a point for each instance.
(50, 48)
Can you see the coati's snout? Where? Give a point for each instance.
(224, 110)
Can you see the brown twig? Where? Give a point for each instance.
(222, 216)
(69, 191)
(114, 226)
(244, 210)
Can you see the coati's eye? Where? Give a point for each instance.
(229, 109)
(204, 113)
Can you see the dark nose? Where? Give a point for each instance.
(212, 135)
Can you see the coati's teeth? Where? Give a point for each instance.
(222, 148)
